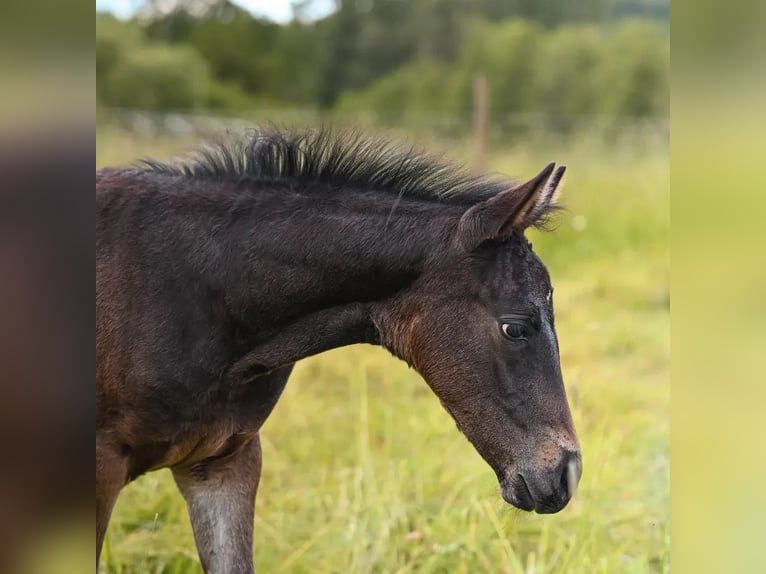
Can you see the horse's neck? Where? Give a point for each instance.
(309, 251)
(316, 266)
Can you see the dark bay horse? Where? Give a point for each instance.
(214, 275)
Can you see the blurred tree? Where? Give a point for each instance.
(295, 67)
(239, 50)
(407, 92)
(567, 85)
(566, 73)
(338, 38)
(398, 58)
(634, 72)
(507, 53)
(438, 28)
(113, 38)
(655, 9)
(546, 12)
(158, 78)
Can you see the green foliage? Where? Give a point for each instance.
(635, 73)
(567, 73)
(113, 39)
(569, 59)
(134, 72)
(295, 65)
(240, 50)
(226, 97)
(395, 60)
(506, 52)
(157, 77)
(405, 92)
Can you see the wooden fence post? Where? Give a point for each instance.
(480, 120)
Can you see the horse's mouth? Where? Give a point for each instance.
(516, 492)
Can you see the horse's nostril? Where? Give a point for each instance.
(565, 482)
(570, 475)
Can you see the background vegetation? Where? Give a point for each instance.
(391, 59)
(363, 470)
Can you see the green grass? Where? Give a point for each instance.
(364, 471)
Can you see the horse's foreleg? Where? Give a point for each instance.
(111, 476)
(221, 498)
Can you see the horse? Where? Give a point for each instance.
(216, 272)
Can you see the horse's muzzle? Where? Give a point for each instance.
(544, 490)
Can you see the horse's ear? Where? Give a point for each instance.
(513, 209)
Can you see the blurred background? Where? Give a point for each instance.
(363, 470)
(422, 65)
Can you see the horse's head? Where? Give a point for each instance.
(478, 326)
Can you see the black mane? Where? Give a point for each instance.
(339, 159)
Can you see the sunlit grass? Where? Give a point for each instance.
(364, 471)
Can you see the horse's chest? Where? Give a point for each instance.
(216, 429)
(193, 445)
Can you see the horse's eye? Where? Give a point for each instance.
(514, 331)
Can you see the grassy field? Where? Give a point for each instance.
(364, 471)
